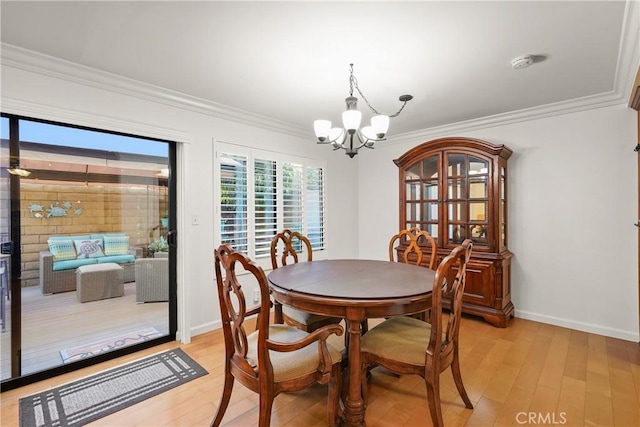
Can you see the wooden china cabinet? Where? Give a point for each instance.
(456, 188)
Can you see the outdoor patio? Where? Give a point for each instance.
(58, 322)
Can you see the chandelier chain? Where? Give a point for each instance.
(353, 82)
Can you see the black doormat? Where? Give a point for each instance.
(94, 397)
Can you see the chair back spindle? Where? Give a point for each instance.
(290, 245)
(415, 240)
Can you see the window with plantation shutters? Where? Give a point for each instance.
(233, 201)
(265, 214)
(261, 193)
(315, 206)
(292, 197)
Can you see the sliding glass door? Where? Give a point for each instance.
(96, 272)
(7, 272)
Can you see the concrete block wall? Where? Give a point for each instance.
(106, 208)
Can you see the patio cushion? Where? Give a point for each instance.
(62, 249)
(116, 245)
(83, 237)
(73, 263)
(102, 235)
(120, 259)
(90, 248)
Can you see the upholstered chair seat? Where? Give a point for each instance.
(294, 364)
(400, 338)
(296, 316)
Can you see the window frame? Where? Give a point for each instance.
(252, 154)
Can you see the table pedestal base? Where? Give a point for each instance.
(354, 403)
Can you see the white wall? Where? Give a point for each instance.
(572, 204)
(43, 95)
(572, 191)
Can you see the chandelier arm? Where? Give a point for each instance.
(362, 143)
(333, 141)
(367, 142)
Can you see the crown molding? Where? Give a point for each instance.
(629, 52)
(626, 69)
(27, 60)
(526, 114)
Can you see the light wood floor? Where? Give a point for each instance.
(559, 376)
(51, 323)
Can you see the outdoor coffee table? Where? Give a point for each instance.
(99, 281)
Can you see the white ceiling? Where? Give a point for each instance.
(290, 60)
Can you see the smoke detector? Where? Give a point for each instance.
(522, 62)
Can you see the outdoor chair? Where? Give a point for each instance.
(273, 358)
(152, 279)
(405, 345)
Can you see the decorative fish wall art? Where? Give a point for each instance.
(56, 209)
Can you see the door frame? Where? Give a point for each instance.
(634, 103)
(16, 301)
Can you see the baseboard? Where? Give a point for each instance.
(580, 326)
(206, 327)
(551, 320)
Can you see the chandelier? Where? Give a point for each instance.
(345, 137)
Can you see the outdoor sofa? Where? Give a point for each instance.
(66, 253)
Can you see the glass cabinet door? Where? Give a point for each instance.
(422, 192)
(464, 212)
(467, 201)
(503, 207)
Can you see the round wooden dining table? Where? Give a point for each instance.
(355, 290)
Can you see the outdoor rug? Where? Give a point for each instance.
(98, 347)
(86, 400)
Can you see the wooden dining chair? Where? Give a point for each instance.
(273, 358)
(405, 345)
(288, 247)
(413, 253)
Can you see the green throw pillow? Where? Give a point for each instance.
(116, 245)
(62, 249)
